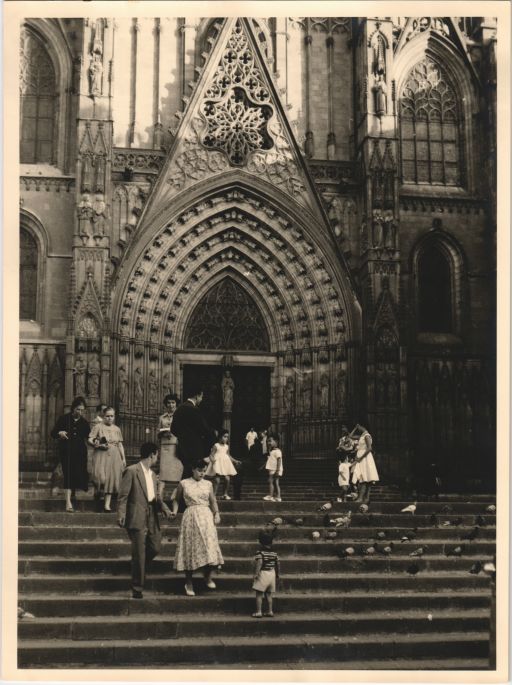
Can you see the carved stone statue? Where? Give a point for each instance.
(95, 74)
(306, 393)
(390, 229)
(138, 387)
(85, 213)
(380, 91)
(228, 389)
(341, 387)
(98, 216)
(122, 380)
(152, 389)
(323, 389)
(377, 231)
(289, 395)
(93, 376)
(79, 371)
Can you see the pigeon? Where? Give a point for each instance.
(351, 495)
(325, 507)
(447, 523)
(315, 535)
(370, 550)
(363, 509)
(346, 552)
(381, 535)
(410, 535)
(330, 534)
(480, 521)
(413, 569)
(299, 522)
(388, 548)
(491, 509)
(278, 521)
(419, 552)
(472, 535)
(434, 521)
(411, 509)
(455, 551)
(476, 568)
(343, 521)
(490, 568)
(447, 509)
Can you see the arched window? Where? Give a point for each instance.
(435, 310)
(430, 125)
(29, 257)
(37, 101)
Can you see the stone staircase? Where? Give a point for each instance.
(360, 612)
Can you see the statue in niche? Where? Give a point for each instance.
(85, 214)
(379, 71)
(228, 389)
(139, 388)
(98, 216)
(377, 230)
(323, 390)
(79, 373)
(289, 395)
(380, 91)
(95, 74)
(341, 384)
(306, 393)
(93, 376)
(380, 387)
(122, 382)
(390, 230)
(166, 382)
(393, 394)
(152, 389)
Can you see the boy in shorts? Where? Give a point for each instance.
(266, 573)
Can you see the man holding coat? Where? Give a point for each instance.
(138, 505)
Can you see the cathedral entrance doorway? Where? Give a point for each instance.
(251, 398)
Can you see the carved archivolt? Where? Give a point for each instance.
(218, 235)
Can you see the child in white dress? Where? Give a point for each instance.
(274, 467)
(222, 464)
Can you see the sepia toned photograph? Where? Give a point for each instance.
(257, 343)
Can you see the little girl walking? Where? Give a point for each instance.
(108, 460)
(222, 464)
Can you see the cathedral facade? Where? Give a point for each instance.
(307, 203)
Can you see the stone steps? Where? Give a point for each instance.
(115, 604)
(217, 650)
(327, 623)
(364, 611)
(168, 582)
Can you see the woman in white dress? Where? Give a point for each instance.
(364, 472)
(198, 545)
(171, 468)
(221, 464)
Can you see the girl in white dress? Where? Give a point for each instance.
(222, 464)
(364, 470)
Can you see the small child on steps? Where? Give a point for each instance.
(266, 574)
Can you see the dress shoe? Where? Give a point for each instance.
(137, 595)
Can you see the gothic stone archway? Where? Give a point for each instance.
(298, 288)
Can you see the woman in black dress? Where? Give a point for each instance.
(72, 431)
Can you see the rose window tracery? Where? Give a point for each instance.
(237, 106)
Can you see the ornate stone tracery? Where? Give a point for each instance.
(227, 319)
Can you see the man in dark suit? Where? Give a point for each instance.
(138, 505)
(195, 437)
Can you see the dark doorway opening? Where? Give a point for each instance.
(251, 399)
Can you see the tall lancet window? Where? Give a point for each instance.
(37, 101)
(430, 128)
